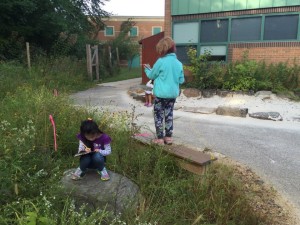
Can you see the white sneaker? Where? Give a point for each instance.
(104, 174)
(77, 174)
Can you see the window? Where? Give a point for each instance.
(109, 31)
(181, 52)
(133, 32)
(156, 30)
(217, 53)
(214, 31)
(281, 27)
(245, 29)
(186, 32)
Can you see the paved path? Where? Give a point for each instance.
(271, 149)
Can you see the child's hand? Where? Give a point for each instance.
(147, 66)
(87, 149)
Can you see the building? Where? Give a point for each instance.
(268, 30)
(145, 26)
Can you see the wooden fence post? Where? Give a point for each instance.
(118, 58)
(96, 58)
(92, 60)
(89, 61)
(109, 57)
(28, 55)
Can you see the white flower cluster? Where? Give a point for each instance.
(16, 136)
(117, 220)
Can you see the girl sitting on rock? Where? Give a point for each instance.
(94, 146)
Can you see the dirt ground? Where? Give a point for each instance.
(267, 200)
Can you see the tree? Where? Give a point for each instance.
(127, 46)
(41, 22)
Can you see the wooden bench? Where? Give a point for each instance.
(188, 158)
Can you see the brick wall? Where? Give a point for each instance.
(270, 52)
(168, 18)
(144, 24)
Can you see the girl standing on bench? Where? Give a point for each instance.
(167, 73)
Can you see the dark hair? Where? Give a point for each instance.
(89, 127)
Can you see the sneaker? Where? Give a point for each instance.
(149, 105)
(158, 141)
(146, 104)
(78, 174)
(168, 140)
(104, 174)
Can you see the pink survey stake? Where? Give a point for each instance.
(54, 131)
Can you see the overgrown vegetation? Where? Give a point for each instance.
(31, 170)
(244, 75)
(47, 25)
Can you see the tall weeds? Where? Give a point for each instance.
(30, 169)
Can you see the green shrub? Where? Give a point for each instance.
(207, 75)
(243, 75)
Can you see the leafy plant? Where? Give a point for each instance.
(207, 75)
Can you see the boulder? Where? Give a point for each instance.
(266, 116)
(192, 92)
(202, 110)
(223, 93)
(208, 93)
(232, 111)
(264, 95)
(115, 195)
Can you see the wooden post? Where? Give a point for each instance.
(109, 57)
(89, 61)
(97, 62)
(28, 55)
(118, 58)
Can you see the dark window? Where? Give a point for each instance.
(245, 29)
(214, 31)
(181, 52)
(281, 27)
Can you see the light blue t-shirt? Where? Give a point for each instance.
(167, 73)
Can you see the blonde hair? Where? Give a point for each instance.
(165, 45)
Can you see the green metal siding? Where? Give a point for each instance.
(194, 6)
(254, 4)
(239, 5)
(266, 3)
(181, 7)
(228, 5)
(204, 6)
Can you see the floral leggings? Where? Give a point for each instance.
(163, 111)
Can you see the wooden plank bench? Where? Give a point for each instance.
(188, 158)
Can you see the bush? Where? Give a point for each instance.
(207, 75)
(242, 75)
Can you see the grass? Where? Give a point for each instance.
(31, 170)
(124, 74)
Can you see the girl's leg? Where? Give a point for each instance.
(159, 117)
(85, 163)
(146, 99)
(97, 161)
(168, 112)
(150, 99)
